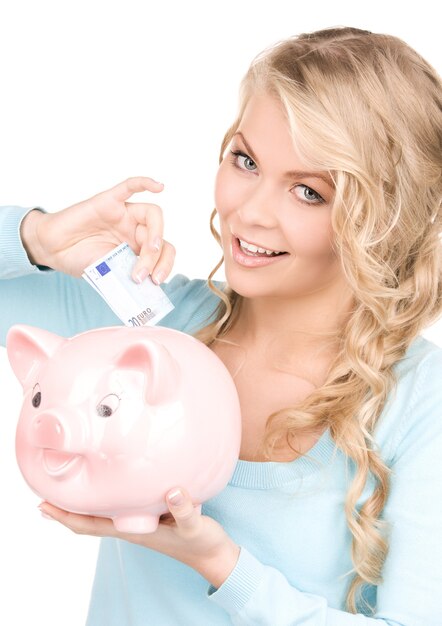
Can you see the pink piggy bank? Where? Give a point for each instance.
(115, 417)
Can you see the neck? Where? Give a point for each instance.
(294, 326)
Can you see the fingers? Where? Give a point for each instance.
(151, 217)
(156, 256)
(136, 184)
(187, 517)
(80, 524)
(144, 229)
(157, 265)
(164, 265)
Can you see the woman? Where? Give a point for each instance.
(329, 209)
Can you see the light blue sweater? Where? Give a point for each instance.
(288, 518)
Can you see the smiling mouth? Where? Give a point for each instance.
(256, 250)
(59, 463)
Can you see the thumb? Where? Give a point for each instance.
(181, 507)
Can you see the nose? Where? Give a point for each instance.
(48, 432)
(259, 206)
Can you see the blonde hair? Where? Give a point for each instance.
(367, 108)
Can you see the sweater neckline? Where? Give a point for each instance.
(270, 474)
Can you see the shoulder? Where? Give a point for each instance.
(420, 352)
(419, 373)
(414, 407)
(194, 303)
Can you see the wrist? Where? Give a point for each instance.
(217, 569)
(29, 234)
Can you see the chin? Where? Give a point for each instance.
(249, 286)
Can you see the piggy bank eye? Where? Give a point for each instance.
(108, 405)
(36, 396)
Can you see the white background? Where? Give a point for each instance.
(93, 92)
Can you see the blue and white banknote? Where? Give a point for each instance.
(135, 304)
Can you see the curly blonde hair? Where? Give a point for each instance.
(368, 109)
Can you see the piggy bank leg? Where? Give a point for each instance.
(136, 523)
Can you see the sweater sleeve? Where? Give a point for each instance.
(66, 305)
(14, 261)
(60, 303)
(410, 594)
(40, 296)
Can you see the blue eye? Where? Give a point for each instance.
(308, 195)
(236, 155)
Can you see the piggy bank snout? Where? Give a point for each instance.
(48, 432)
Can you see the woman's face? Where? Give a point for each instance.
(266, 197)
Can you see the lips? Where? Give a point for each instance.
(251, 261)
(59, 463)
(257, 245)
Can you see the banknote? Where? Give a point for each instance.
(135, 304)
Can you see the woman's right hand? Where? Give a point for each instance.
(71, 239)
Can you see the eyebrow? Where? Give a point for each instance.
(292, 173)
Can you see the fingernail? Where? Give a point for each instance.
(159, 277)
(176, 497)
(156, 245)
(141, 275)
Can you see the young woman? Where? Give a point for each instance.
(328, 196)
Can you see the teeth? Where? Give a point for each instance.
(251, 248)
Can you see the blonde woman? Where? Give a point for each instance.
(328, 197)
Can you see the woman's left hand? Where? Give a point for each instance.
(184, 534)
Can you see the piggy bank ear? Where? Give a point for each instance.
(159, 367)
(28, 348)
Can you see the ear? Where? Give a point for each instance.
(160, 368)
(28, 348)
